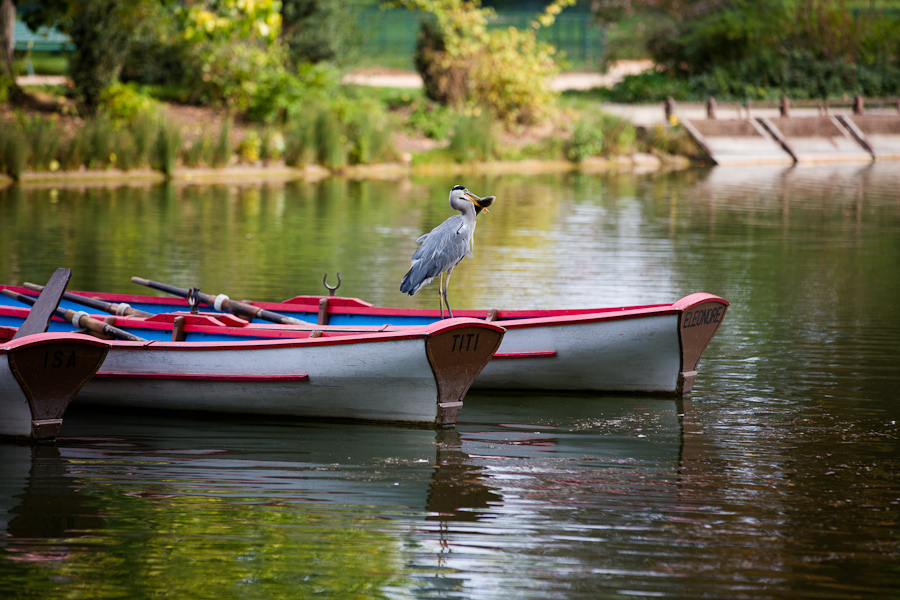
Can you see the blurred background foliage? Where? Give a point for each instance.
(274, 68)
(759, 49)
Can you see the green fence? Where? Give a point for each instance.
(389, 36)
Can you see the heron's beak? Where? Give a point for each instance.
(481, 203)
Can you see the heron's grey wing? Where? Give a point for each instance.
(442, 248)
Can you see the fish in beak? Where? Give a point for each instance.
(481, 203)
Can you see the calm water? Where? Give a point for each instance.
(778, 478)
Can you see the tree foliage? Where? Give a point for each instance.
(763, 48)
(462, 60)
(100, 30)
(319, 30)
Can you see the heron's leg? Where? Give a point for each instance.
(446, 285)
(441, 294)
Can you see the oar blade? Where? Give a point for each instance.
(38, 320)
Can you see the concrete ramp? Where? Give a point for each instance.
(736, 142)
(880, 134)
(816, 139)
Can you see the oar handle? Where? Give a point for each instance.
(119, 309)
(163, 287)
(223, 303)
(80, 319)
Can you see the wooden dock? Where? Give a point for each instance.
(767, 138)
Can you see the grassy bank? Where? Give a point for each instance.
(137, 134)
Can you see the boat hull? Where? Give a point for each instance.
(642, 349)
(39, 376)
(416, 375)
(633, 355)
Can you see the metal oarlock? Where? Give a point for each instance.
(193, 298)
(331, 290)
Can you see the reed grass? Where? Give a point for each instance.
(300, 142)
(222, 151)
(198, 152)
(166, 148)
(473, 138)
(331, 140)
(42, 137)
(14, 152)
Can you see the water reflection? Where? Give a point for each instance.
(379, 498)
(781, 482)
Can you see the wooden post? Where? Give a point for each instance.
(785, 106)
(178, 334)
(323, 311)
(670, 108)
(710, 108)
(857, 104)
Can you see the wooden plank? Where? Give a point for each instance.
(817, 139)
(38, 320)
(881, 133)
(736, 142)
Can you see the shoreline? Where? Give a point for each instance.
(641, 163)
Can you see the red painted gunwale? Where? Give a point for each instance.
(542, 354)
(39, 339)
(287, 338)
(508, 319)
(203, 377)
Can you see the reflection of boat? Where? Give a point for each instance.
(39, 499)
(408, 374)
(39, 376)
(653, 348)
(547, 480)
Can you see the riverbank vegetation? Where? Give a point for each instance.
(760, 50)
(166, 86)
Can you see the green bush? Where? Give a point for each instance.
(249, 147)
(280, 95)
(431, 119)
(319, 30)
(600, 134)
(100, 31)
(668, 140)
(730, 50)
(126, 102)
(505, 69)
(651, 86)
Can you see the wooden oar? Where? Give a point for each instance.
(38, 320)
(80, 319)
(113, 308)
(224, 304)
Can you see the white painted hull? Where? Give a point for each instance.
(416, 375)
(15, 412)
(388, 381)
(628, 355)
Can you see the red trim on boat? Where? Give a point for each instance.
(203, 377)
(544, 354)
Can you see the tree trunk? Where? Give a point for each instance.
(7, 36)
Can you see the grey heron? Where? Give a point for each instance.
(446, 245)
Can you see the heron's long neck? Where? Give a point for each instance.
(468, 212)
